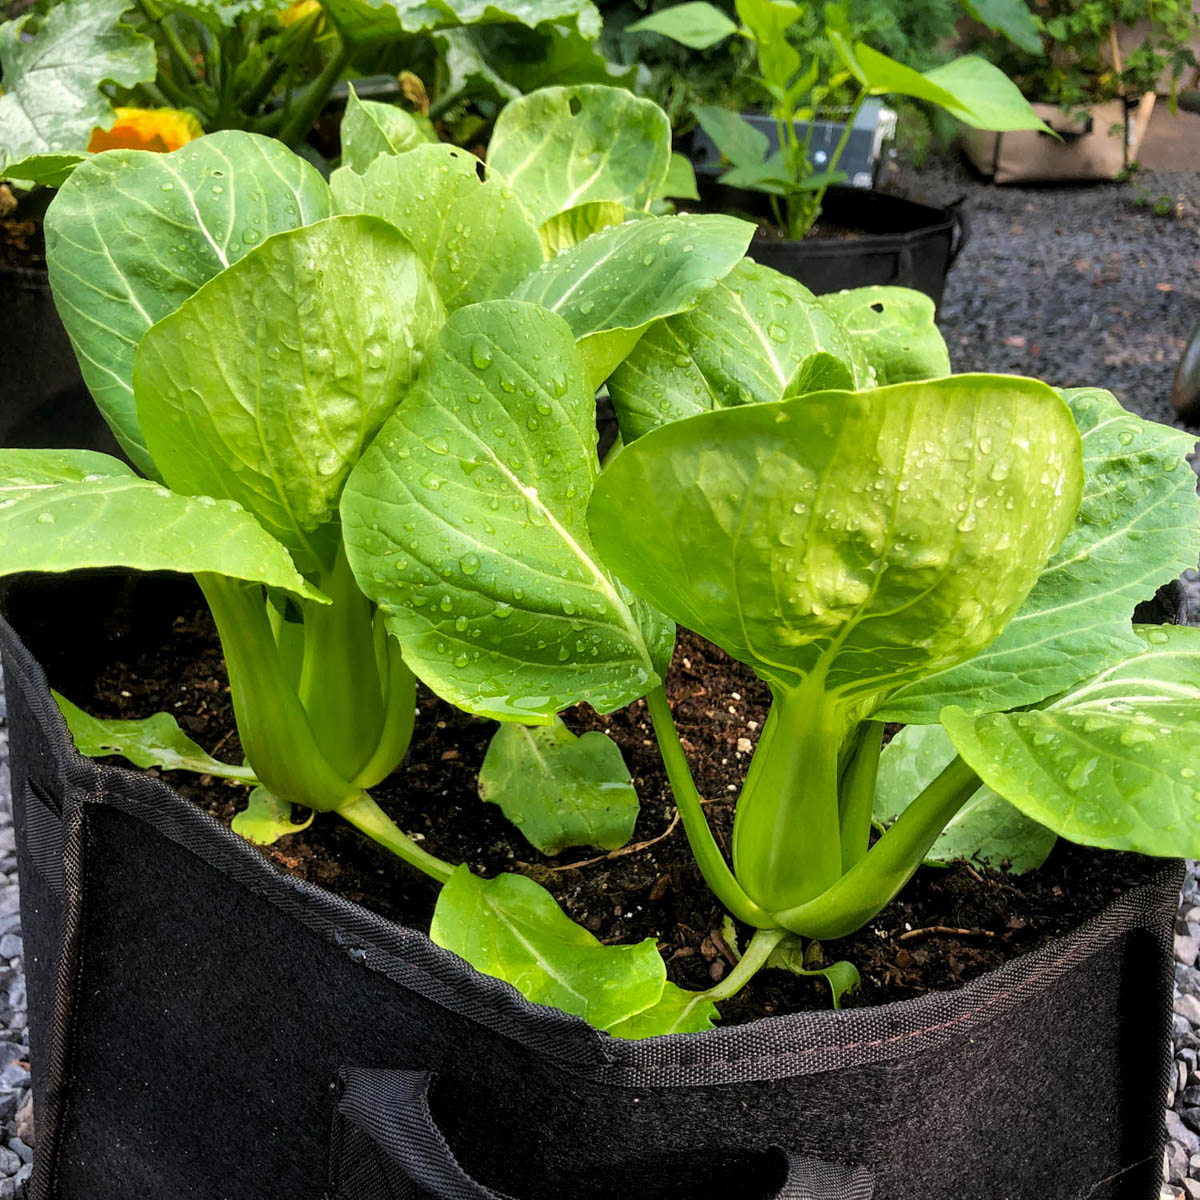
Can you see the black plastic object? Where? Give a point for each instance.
(44, 402)
(859, 159)
(1185, 388)
(887, 240)
(205, 1026)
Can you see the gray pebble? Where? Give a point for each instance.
(8, 1189)
(10, 1164)
(1186, 1006)
(14, 1076)
(1187, 949)
(11, 946)
(1177, 1162)
(1192, 1188)
(23, 1152)
(1177, 1131)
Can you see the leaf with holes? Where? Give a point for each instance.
(894, 327)
(562, 147)
(475, 237)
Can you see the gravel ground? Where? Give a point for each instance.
(1076, 285)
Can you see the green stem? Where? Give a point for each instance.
(365, 815)
(232, 49)
(297, 48)
(857, 801)
(749, 965)
(704, 846)
(873, 882)
(273, 727)
(296, 128)
(836, 157)
(179, 97)
(786, 834)
(340, 686)
(399, 712)
(176, 50)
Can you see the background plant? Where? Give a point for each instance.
(969, 88)
(1079, 63)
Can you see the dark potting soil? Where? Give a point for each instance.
(21, 240)
(949, 926)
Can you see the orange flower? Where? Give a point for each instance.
(298, 11)
(159, 129)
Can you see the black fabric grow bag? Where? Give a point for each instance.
(904, 243)
(205, 1027)
(43, 399)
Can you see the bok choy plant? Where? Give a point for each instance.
(364, 417)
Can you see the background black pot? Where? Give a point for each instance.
(205, 1026)
(886, 239)
(43, 399)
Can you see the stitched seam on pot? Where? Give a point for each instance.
(67, 980)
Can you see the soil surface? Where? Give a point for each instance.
(949, 926)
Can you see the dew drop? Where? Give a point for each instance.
(469, 563)
(481, 354)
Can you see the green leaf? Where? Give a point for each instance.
(557, 55)
(227, 378)
(558, 789)
(865, 536)
(132, 234)
(366, 21)
(562, 147)
(772, 176)
(696, 24)
(983, 96)
(680, 183)
(894, 327)
(63, 510)
(155, 741)
(753, 334)
(1114, 762)
(42, 170)
(611, 286)
(569, 228)
(476, 238)
(677, 1011)
(469, 531)
(791, 955)
(738, 141)
(511, 928)
(1009, 17)
(1138, 527)
(266, 819)
(370, 129)
(53, 96)
(987, 828)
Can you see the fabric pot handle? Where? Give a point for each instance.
(386, 1145)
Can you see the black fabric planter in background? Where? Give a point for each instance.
(896, 241)
(44, 402)
(204, 1026)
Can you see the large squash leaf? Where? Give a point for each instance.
(511, 928)
(1115, 761)
(865, 537)
(1138, 527)
(132, 234)
(53, 97)
(745, 343)
(364, 21)
(565, 146)
(475, 237)
(612, 285)
(265, 386)
(63, 510)
(465, 521)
